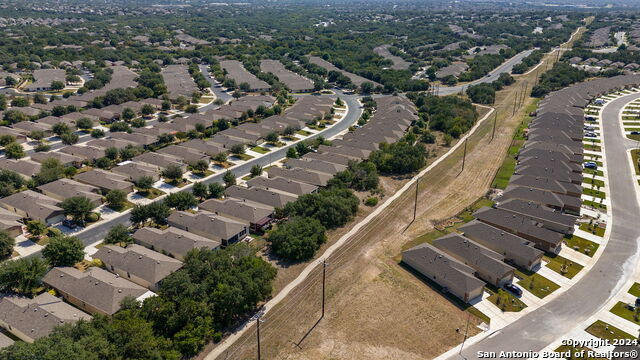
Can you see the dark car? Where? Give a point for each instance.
(635, 133)
(637, 302)
(69, 223)
(513, 289)
(590, 165)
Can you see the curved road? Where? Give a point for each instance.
(98, 232)
(506, 67)
(538, 329)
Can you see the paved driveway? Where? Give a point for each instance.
(535, 331)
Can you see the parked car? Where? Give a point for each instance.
(513, 289)
(69, 223)
(589, 128)
(635, 133)
(637, 301)
(590, 165)
(590, 118)
(590, 134)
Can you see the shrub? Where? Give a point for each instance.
(297, 239)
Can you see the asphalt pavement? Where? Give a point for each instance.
(506, 67)
(538, 329)
(98, 232)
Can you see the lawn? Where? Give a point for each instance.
(594, 204)
(506, 301)
(594, 193)
(593, 172)
(260, 150)
(606, 331)
(594, 182)
(582, 245)
(303, 132)
(592, 228)
(590, 147)
(179, 184)
(151, 193)
(621, 309)
(124, 207)
(243, 157)
(536, 284)
(635, 290)
(204, 174)
(506, 169)
(634, 159)
(634, 137)
(562, 266)
(457, 221)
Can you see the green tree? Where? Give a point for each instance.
(147, 109)
(111, 153)
(292, 153)
(118, 234)
(6, 245)
(139, 215)
(128, 114)
(297, 239)
(237, 149)
(116, 199)
(14, 151)
(60, 128)
(216, 190)
(57, 85)
(144, 182)
(63, 251)
(172, 173)
(333, 207)
(10, 81)
(36, 228)
(200, 190)
(272, 137)
(69, 138)
(200, 167)
(182, 200)
(256, 170)
(23, 275)
(84, 123)
(78, 208)
(97, 133)
(229, 178)
(7, 139)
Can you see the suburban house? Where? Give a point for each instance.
(522, 226)
(315, 165)
(35, 206)
(62, 189)
(307, 176)
(64, 158)
(271, 197)
(173, 241)
(282, 184)
(9, 222)
(162, 161)
(25, 168)
(515, 249)
(105, 180)
(209, 225)
(549, 218)
(488, 264)
(137, 263)
(87, 153)
(133, 171)
(258, 216)
(546, 198)
(447, 272)
(31, 319)
(95, 291)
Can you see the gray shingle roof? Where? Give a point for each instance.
(139, 261)
(95, 287)
(173, 241)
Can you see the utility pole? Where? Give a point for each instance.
(466, 332)
(324, 277)
(464, 154)
(258, 334)
(415, 203)
(495, 120)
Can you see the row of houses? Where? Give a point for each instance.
(539, 207)
(355, 79)
(178, 81)
(236, 71)
(294, 81)
(138, 270)
(43, 78)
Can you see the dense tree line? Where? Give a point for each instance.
(558, 77)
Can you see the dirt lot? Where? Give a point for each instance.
(375, 308)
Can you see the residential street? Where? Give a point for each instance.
(98, 232)
(535, 331)
(493, 75)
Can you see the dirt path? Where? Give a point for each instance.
(375, 308)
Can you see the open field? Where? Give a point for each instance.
(368, 290)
